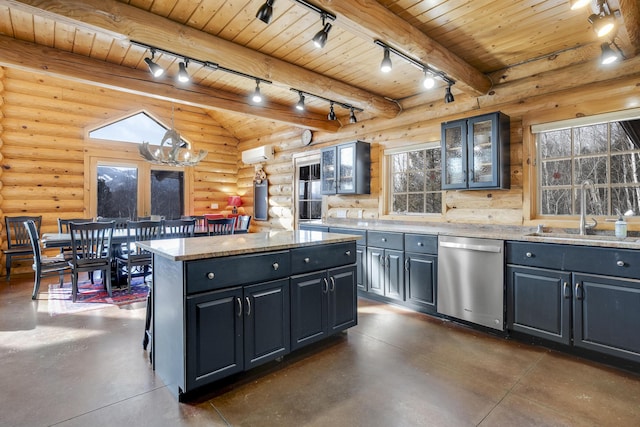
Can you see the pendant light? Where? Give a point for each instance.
(429, 82)
(320, 39)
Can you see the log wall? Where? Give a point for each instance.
(43, 148)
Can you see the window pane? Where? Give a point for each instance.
(434, 181)
(399, 163)
(625, 199)
(167, 193)
(619, 139)
(309, 191)
(591, 139)
(625, 168)
(418, 173)
(117, 192)
(595, 202)
(416, 181)
(416, 203)
(593, 168)
(555, 173)
(415, 160)
(399, 183)
(556, 202)
(555, 144)
(400, 203)
(434, 203)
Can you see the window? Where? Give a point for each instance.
(415, 178)
(606, 153)
(309, 195)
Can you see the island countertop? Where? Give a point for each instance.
(194, 248)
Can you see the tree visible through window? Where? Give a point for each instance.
(416, 181)
(604, 153)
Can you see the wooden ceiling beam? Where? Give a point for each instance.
(136, 24)
(44, 60)
(371, 20)
(630, 11)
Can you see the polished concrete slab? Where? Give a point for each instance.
(396, 368)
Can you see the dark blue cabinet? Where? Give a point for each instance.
(346, 169)
(420, 280)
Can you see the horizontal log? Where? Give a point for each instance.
(25, 178)
(44, 166)
(485, 216)
(484, 199)
(53, 194)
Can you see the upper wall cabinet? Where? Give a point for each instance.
(475, 153)
(346, 168)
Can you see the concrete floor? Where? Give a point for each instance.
(396, 368)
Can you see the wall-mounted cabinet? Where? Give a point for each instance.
(475, 153)
(346, 169)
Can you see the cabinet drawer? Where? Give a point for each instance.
(361, 241)
(421, 243)
(313, 258)
(385, 239)
(216, 273)
(584, 259)
(313, 227)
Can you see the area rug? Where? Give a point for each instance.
(93, 296)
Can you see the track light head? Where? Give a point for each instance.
(155, 69)
(602, 24)
(386, 64)
(429, 82)
(352, 116)
(300, 104)
(320, 39)
(265, 12)
(448, 96)
(257, 96)
(577, 4)
(183, 74)
(332, 113)
(608, 55)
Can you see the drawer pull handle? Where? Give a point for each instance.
(529, 255)
(239, 301)
(276, 265)
(566, 291)
(325, 288)
(620, 263)
(210, 276)
(306, 260)
(384, 239)
(333, 284)
(406, 264)
(248, 305)
(348, 253)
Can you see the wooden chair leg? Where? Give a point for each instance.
(107, 280)
(36, 287)
(74, 286)
(147, 322)
(8, 267)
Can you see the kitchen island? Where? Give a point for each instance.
(225, 304)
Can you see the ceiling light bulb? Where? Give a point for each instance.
(257, 97)
(183, 75)
(320, 39)
(608, 55)
(429, 82)
(448, 96)
(602, 24)
(265, 12)
(300, 104)
(352, 116)
(577, 4)
(154, 68)
(386, 64)
(332, 113)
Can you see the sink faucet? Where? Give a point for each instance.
(586, 184)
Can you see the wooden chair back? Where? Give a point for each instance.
(176, 228)
(220, 226)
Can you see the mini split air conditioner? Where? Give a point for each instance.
(257, 155)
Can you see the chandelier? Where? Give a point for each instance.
(171, 152)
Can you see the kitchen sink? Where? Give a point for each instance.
(583, 238)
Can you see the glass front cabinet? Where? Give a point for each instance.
(475, 153)
(346, 169)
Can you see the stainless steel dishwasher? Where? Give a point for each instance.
(471, 280)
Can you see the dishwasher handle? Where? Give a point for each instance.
(471, 247)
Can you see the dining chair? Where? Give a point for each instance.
(91, 252)
(18, 241)
(63, 228)
(220, 226)
(242, 224)
(44, 266)
(176, 228)
(137, 261)
(120, 223)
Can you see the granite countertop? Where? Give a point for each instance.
(239, 244)
(602, 238)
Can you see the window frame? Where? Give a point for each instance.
(387, 196)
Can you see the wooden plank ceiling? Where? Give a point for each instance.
(469, 40)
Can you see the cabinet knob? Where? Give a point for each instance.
(620, 263)
(210, 276)
(529, 255)
(348, 253)
(420, 244)
(276, 265)
(384, 239)
(306, 260)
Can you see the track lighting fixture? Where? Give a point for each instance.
(577, 4)
(257, 96)
(265, 12)
(320, 39)
(183, 75)
(332, 113)
(448, 96)
(603, 22)
(386, 64)
(300, 104)
(352, 116)
(429, 82)
(154, 68)
(611, 53)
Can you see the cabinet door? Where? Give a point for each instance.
(394, 274)
(375, 267)
(420, 280)
(454, 155)
(361, 265)
(482, 152)
(343, 303)
(607, 315)
(267, 331)
(214, 336)
(328, 171)
(308, 308)
(346, 168)
(539, 303)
